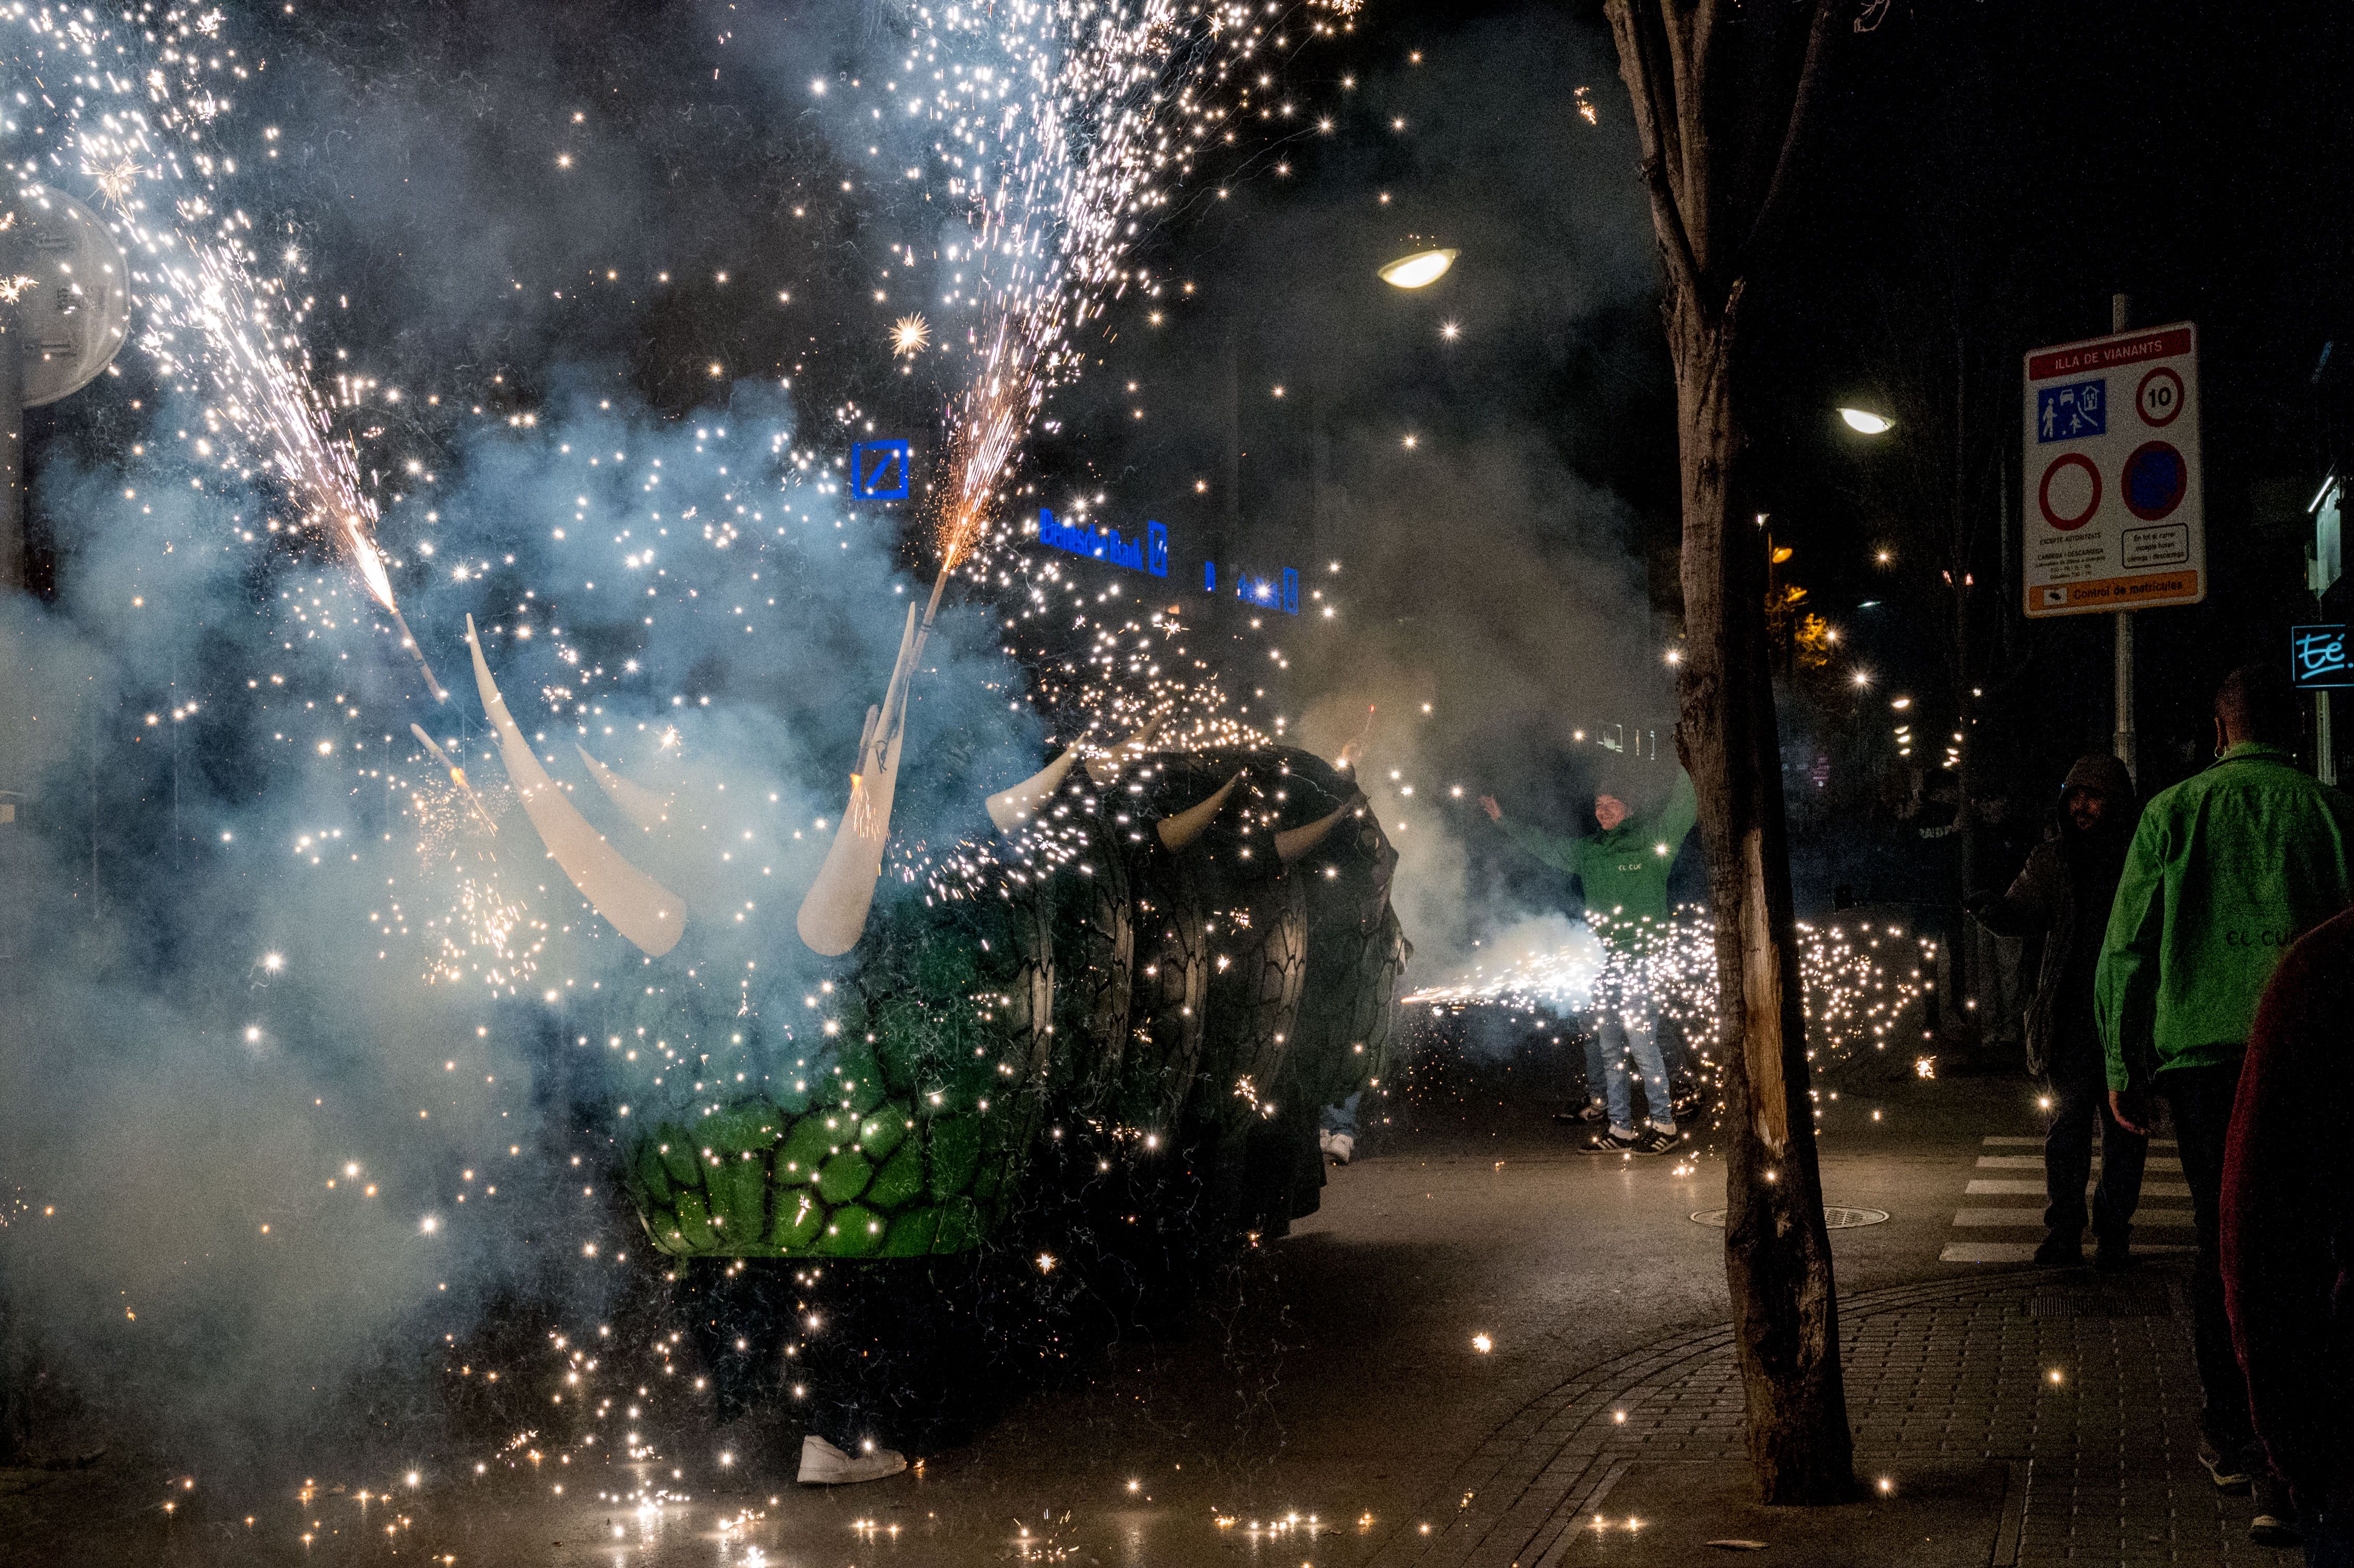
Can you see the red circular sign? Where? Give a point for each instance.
(2043, 491)
(2155, 481)
(2159, 396)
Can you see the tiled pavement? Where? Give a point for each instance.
(2081, 1384)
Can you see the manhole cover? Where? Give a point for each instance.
(1835, 1218)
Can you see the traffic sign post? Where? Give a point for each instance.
(2114, 517)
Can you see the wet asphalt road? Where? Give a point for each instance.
(1305, 1413)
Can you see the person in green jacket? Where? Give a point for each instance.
(2225, 871)
(1622, 874)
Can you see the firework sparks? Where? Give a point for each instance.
(142, 131)
(909, 335)
(1857, 986)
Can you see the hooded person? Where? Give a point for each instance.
(2062, 895)
(1622, 874)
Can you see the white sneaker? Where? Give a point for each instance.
(1341, 1146)
(1324, 1140)
(824, 1465)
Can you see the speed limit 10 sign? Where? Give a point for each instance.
(2113, 517)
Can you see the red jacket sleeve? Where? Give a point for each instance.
(2287, 1179)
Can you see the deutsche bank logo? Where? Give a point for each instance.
(2066, 413)
(878, 471)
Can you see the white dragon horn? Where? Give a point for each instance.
(637, 905)
(1105, 766)
(834, 911)
(638, 803)
(1012, 807)
(1183, 827)
(1290, 843)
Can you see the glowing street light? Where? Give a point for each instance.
(1864, 422)
(1418, 271)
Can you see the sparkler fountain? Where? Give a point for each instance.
(1160, 963)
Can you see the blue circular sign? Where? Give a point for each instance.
(2156, 477)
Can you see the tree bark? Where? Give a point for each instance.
(1719, 106)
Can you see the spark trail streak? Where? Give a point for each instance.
(1077, 120)
(140, 125)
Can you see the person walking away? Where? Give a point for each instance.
(2289, 1236)
(1622, 875)
(2225, 871)
(2062, 893)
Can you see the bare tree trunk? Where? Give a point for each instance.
(1719, 105)
(1776, 1251)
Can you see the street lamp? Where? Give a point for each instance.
(65, 304)
(1864, 422)
(1419, 270)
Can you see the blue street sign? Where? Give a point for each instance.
(879, 471)
(2317, 657)
(2065, 413)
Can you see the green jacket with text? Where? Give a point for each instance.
(2226, 870)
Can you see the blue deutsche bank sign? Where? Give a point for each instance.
(1279, 592)
(1147, 553)
(878, 471)
(2065, 413)
(2317, 657)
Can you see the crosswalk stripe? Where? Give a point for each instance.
(2016, 1252)
(2037, 1142)
(2011, 1187)
(2032, 1219)
(2035, 1163)
(1972, 1224)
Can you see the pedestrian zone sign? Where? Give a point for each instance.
(2113, 516)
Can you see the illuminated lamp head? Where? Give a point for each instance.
(1419, 270)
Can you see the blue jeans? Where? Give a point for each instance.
(1342, 1118)
(1624, 1035)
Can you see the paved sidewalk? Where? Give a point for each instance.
(2098, 1464)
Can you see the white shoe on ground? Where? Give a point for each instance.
(824, 1465)
(1341, 1146)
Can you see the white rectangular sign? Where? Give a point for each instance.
(2113, 517)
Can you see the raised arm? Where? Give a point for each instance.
(1556, 850)
(1676, 818)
